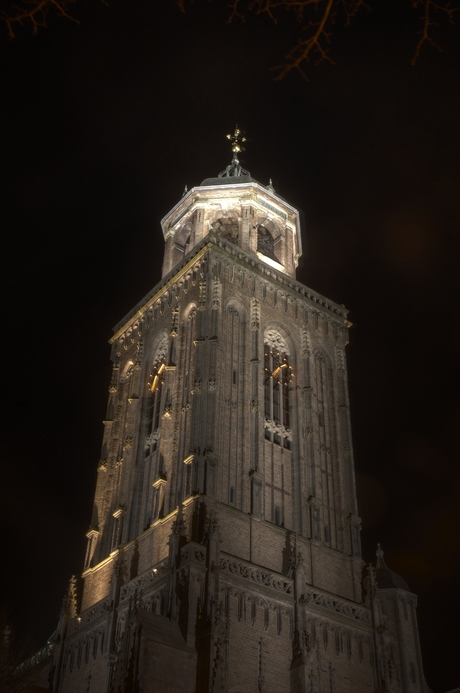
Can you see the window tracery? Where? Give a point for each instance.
(278, 375)
(154, 408)
(265, 242)
(227, 227)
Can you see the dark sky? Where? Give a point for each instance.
(102, 125)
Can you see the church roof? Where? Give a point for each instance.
(229, 180)
(387, 578)
(237, 180)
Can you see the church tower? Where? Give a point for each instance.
(224, 549)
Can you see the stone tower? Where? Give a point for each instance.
(224, 548)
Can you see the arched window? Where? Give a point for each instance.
(278, 375)
(265, 242)
(154, 408)
(227, 227)
(182, 240)
(155, 399)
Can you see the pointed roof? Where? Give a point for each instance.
(387, 578)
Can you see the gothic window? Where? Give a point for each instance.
(278, 374)
(227, 227)
(117, 528)
(188, 481)
(182, 241)
(88, 551)
(189, 477)
(154, 407)
(155, 398)
(115, 534)
(265, 242)
(210, 479)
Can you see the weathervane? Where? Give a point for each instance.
(236, 139)
(234, 169)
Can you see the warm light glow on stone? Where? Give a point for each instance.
(270, 262)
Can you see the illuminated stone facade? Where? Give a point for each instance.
(224, 549)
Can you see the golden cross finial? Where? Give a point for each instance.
(236, 139)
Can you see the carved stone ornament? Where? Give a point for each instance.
(254, 405)
(276, 342)
(278, 429)
(192, 552)
(340, 360)
(211, 527)
(139, 354)
(143, 582)
(255, 314)
(152, 438)
(129, 442)
(319, 356)
(212, 385)
(113, 382)
(325, 601)
(162, 350)
(178, 526)
(174, 322)
(127, 371)
(305, 343)
(216, 292)
(257, 576)
(202, 296)
(167, 411)
(196, 389)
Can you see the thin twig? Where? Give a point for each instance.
(35, 12)
(301, 53)
(430, 6)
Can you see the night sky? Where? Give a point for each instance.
(102, 126)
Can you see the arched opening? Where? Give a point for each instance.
(277, 378)
(265, 242)
(227, 227)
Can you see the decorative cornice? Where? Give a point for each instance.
(238, 255)
(325, 601)
(169, 280)
(258, 575)
(145, 580)
(96, 612)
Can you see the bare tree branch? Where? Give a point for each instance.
(235, 13)
(36, 13)
(304, 11)
(315, 18)
(314, 44)
(430, 7)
